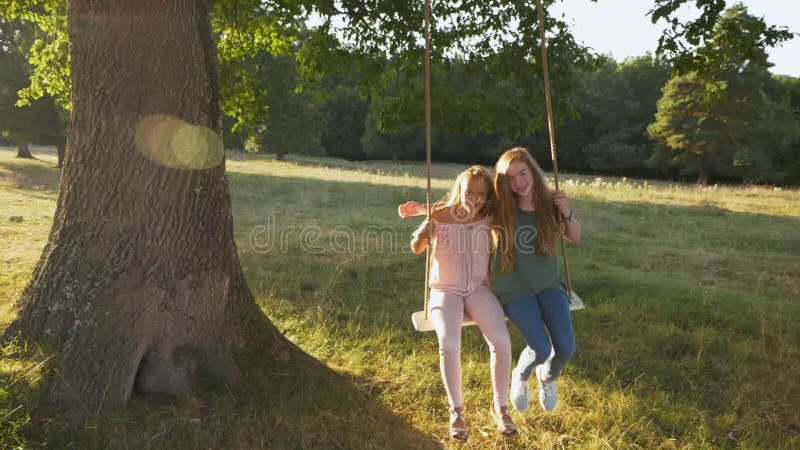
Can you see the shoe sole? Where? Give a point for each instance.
(459, 440)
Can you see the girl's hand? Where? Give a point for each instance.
(560, 199)
(410, 209)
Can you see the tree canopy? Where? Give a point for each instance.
(722, 122)
(689, 45)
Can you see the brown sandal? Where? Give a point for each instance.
(458, 426)
(503, 420)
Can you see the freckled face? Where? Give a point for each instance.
(474, 193)
(521, 179)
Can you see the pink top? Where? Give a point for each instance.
(461, 254)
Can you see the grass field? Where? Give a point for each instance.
(690, 338)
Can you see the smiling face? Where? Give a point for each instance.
(520, 179)
(474, 192)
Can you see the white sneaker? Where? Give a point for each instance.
(548, 392)
(519, 392)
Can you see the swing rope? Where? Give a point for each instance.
(428, 253)
(551, 130)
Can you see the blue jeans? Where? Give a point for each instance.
(545, 323)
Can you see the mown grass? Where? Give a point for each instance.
(690, 337)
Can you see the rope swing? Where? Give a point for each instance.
(420, 319)
(575, 302)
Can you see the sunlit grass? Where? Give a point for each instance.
(690, 338)
(28, 190)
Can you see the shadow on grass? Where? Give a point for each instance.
(296, 404)
(28, 174)
(21, 392)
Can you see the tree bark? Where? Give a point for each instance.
(140, 280)
(23, 151)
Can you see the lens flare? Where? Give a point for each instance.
(197, 147)
(173, 142)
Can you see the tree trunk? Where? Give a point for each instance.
(280, 156)
(23, 151)
(140, 280)
(61, 149)
(702, 174)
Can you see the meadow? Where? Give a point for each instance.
(690, 338)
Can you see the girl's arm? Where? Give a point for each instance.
(570, 225)
(419, 239)
(572, 231)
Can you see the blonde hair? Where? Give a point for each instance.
(547, 224)
(475, 172)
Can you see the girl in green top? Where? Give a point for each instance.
(530, 218)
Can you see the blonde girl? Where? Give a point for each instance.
(459, 281)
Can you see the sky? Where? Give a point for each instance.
(620, 28)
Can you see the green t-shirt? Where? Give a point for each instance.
(533, 272)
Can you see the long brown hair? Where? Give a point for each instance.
(547, 224)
